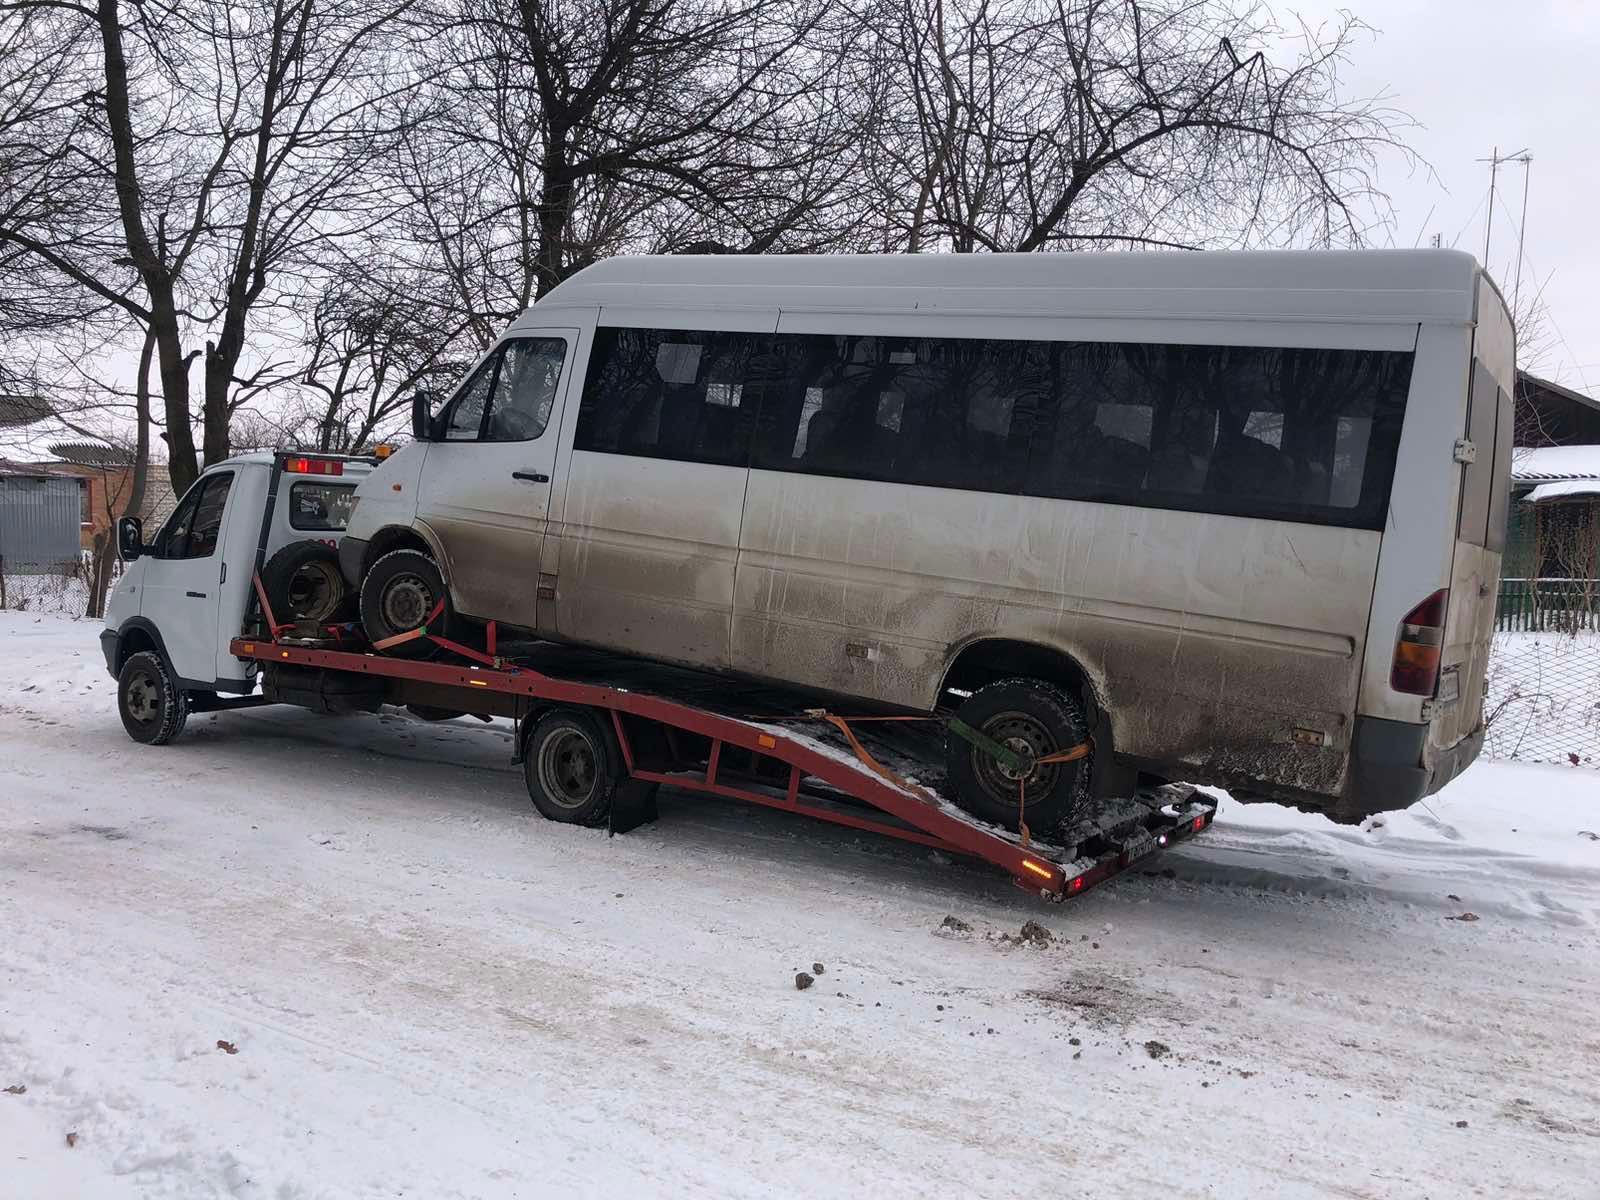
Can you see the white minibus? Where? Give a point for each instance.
(1236, 518)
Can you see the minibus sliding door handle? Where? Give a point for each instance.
(531, 476)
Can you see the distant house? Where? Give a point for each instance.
(1552, 551)
(60, 489)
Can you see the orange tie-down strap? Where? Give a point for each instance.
(842, 724)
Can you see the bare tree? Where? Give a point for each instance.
(373, 341)
(1038, 124)
(238, 140)
(553, 134)
(44, 89)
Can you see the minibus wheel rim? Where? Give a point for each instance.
(1026, 735)
(406, 602)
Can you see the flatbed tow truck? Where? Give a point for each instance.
(597, 734)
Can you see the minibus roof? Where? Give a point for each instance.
(1436, 286)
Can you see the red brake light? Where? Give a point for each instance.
(314, 466)
(1415, 670)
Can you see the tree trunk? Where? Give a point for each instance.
(154, 273)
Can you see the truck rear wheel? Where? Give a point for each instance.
(152, 706)
(573, 767)
(1035, 719)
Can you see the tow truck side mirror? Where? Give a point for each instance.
(421, 424)
(130, 538)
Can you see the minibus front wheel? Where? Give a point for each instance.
(402, 591)
(1035, 721)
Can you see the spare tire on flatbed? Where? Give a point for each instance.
(303, 583)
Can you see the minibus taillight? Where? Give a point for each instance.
(1416, 653)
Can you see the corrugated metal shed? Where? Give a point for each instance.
(39, 522)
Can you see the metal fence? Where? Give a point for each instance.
(1548, 605)
(40, 521)
(1543, 701)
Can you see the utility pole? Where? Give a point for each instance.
(1494, 160)
(1522, 225)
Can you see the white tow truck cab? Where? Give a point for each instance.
(183, 594)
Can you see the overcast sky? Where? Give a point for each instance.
(1523, 74)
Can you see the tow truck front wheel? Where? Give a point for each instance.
(573, 767)
(153, 708)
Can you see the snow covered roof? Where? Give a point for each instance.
(1543, 464)
(1534, 383)
(32, 432)
(1564, 489)
(1366, 285)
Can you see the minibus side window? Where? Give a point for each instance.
(1281, 433)
(525, 389)
(672, 393)
(1477, 477)
(945, 412)
(466, 413)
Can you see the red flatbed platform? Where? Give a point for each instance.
(790, 761)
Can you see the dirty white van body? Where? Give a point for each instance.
(1245, 508)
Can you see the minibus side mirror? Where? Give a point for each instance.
(421, 425)
(130, 538)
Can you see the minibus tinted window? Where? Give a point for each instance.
(670, 393)
(1280, 433)
(945, 412)
(1288, 433)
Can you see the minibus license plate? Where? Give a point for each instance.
(1133, 850)
(1449, 686)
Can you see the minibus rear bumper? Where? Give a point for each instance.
(1389, 767)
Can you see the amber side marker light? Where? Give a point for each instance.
(1030, 865)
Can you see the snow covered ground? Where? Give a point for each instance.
(432, 993)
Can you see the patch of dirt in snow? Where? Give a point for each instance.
(1105, 997)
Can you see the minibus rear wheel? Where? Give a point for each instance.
(1035, 719)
